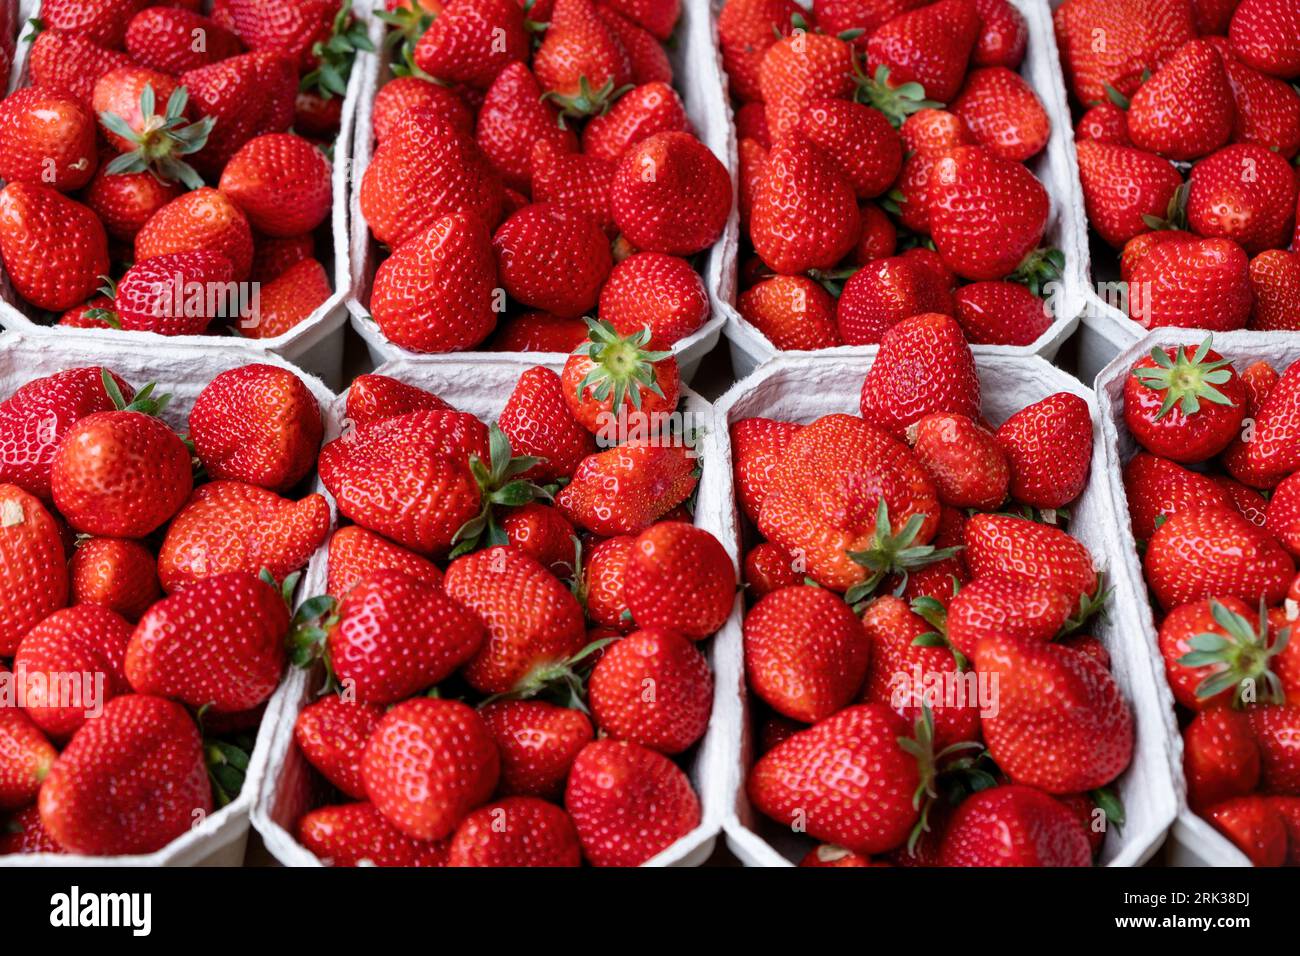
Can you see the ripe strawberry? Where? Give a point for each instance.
(671, 194)
(115, 573)
(1177, 282)
(680, 578)
(35, 573)
(204, 220)
(806, 652)
(426, 156)
(124, 202)
(929, 46)
(1277, 728)
(538, 744)
(655, 291)
(1220, 757)
(1255, 826)
(46, 138)
(291, 30)
(163, 38)
(999, 604)
(513, 118)
(539, 424)
(1031, 552)
(626, 489)
(1243, 192)
(427, 764)
(1138, 39)
(103, 21)
(130, 781)
(1249, 502)
(757, 445)
(356, 554)
(647, 60)
(581, 63)
(653, 688)
(986, 214)
(1004, 113)
(746, 29)
(968, 468)
(1267, 109)
(602, 583)
(1004, 34)
(1049, 446)
(628, 803)
(820, 777)
(1213, 551)
(924, 366)
(287, 300)
(1264, 34)
(927, 134)
(1105, 123)
(516, 831)
(553, 258)
(472, 41)
(858, 139)
(435, 293)
(354, 834)
(767, 568)
(540, 531)
(635, 116)
(879, 239)
(372, 398)
(882, 294)
(1283, 515)
(54, 249)
(1185, 404)
(281, 182)
(1157, 488)
(614, 375)
(1275, 449)
(26, 757)
(1001, 313)
(1275, 285)
(657, 16)
(407, 92)
(24, 832)
(805, 215)
(1123, 186)
(574, 181)
(331, 733)
(247, 95)
(72, 63)
(792, 312)
(158, 294)
(1185, 109)
(1289, 809)
(1014, 825)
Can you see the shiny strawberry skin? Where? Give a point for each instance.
(680, 578)
(355, 554)
(1176, 434)
(331, 733)
(1275, 452)
(660, 292)
(997, 604)
(354, 834)
(683, 208)
(574, 181)
(1180, 280)
(35, 573)
(1246, 193)
(162, 38)
(647, 59)
(473, 41)
(923, 367)
(405, 92)
(1264, 34)
(1214, 552)
(516, 832)
(204, 220)
(372, 398)
(1255, 826)
(1220, 757)
(538, 744)
(746, 29)
(1121, 186)
(115, 573)
(288, 300)
(805, 213)
(1157, 488)
(124, 202)
(66, 61)
(638, 114)
(792, 312)
(1138, 39)
(290, 29)
(538, 422)
(1004, 113)
(25, 834)
(553, 258)
(1185, 110)
(1049, 445)
(1014, 826)
(930, 46)
(42, 131)
(154, 295)
(603, 577)
(626, 489)
(513, 118)
(579, 45)
(757, 445)
(859, 139)
(967, 466)
(1028, 551)
(25, 758)
(1277, 728)
(1275, 285)
(249, 95)
(53, 248)
(882, 294)
(281, 182)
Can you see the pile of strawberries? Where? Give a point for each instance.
(533, 164)
(882, 145)
(152, 155)
(511, 625)
(920, 634)
(145, 581)
(1190, 122)
(1214, 497)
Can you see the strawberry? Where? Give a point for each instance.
(1138, 39)
(1027, 551)
(614, 375)
(671, 194)
(1185, 109)
(857, 138)
(290, 29)
(54, 249)
(354, 834)
(472, 41)
(513, 118)
(829, 855)
(533, 622)
(1250, 503)
(986, 213)
(1004, 34)
(626, 489)
(929, 46)
(653, 688)
(879, 238)
(1243, 192)
(247, 95)
(1003, 113)
(288, 300)
(636, 115)
(1157, 488)
(1277, 729)
(746, 29)
(540, 531)
(836, 16)
(553, 258)
(923, 366)
(72, 63)
(999, 604)
(125, 100)
(102, 21)
(1106, 123)
(163, 38)
(757, 446)
(435, 292)
(657, 16)
(158, 294)
(131, 781)
(820, 778)
(204, 220)
(647, 60)
(538, 744)
(427, 764)
(939, 578)
(1123, 186)
(768, 567)
(602, 583)
(968, 468)
(655, 291)
(580, 64)
(539, 424)
(426, 156)
(1275, 449)
(627, 802)
(1264, 35)
(842, 527)
(1081, 740)
(25, 834)
(927, 134)
(805, 214)
(1014, 825)
(115, 573)
(373, 398)
(882, 294)
(802, 68)
(1213, 551)
(574, 181)
(46, 138)
(26, 757)
(1177, 282)
(407, 92)
(1255, 826)
(806, 652)
(792, 312)
(1001, 313)
(35, 573)
(680, 578)
(124, 202)
(331, 733)
(515, 831)
(356, 554)
(1283, 515)
(1268, 109)
(1184, 404)
(220, 641)
(1049, 446)
(281, 183)
(1220, 757)
(1275, 285)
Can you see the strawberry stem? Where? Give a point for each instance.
(1186, 378)
(499, 486)
(891, 553)
(162, 140)
(1240, 657)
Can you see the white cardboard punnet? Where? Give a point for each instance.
(697, 77)
(182, 371)
(289, 788)
(1194, 842)
(796, 388)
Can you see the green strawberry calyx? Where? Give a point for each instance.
(162, 140)
(226, 758)
(1040, 271)
(891, 553)
(586, 102)
(336, 55)
(1091, 605)
(309, 631)
(1187, 378)
(936, 615)
(563, 682)
(622, 366)
(1175, 217)
(949, 775)
(145, 402)
(896, 102)
(406, 25)
(1239, 658)
(108, 316)
(500, 486)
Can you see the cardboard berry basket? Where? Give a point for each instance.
(290, 787)
(1067, 228)
(796, 388)
(697, 72)
(315, 344)
(182, 371)
(1193, 841)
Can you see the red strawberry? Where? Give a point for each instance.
(1275, 449)
(287, 300)
(580, 63)
(653, 688)
(292, 29)
(1004, 34)
(798, 69)
(1289, 809)
(574, 181)
(1283, 515)
(628, 803)
(680, 578)
(539, 424)
(829, 855)
(157, 294)
(1213, 551)
(472, 41)
(1268, 109)
(635, 116)
(929, 46)
(516, 831)
(204, 220)
(124, 202)
(1031, 552)
(427, 764)
(671, 194)
(54, 249)
(999, 604)
(35, 573)
(1277, 730)
(927, 134)
(1246, 193)
(602, 583)
(408, 92)
(792, 312)
(626, 489)
(163, 38)
(1185, 109)
(1275, 285)
(657, 16)
(968, 468)
(115, 573)
(655, 291)
(1001, 313)
(540, 531)
(513, 118)
(26, 757)
(1185, 404)
(1249, 502)
(647, 60)
(435, 292)
(805, 215)
(923, 366)
(1220, 757)
(247, 95)
(879, 238)
(757, 445)
(47, 138)
(356, 554)
(332, 734)
(1122, 187)
(836, 16)
(372, 398)
(1138, 39)
(1255, 826)
(65, 61)
(1014, 826)
(1049, 445)
(1266, 35)
(615, 376)
(1177, 282)
(131, 781)
(1004, 113)
(553, 258)
(538, 744)
(281, 183)
(1157, 488)
(768, 567)
(356, 833)
(858, 139)
(746, 29)
(882, 294)
(103, 21)
(25, 834)
(1106, 123)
